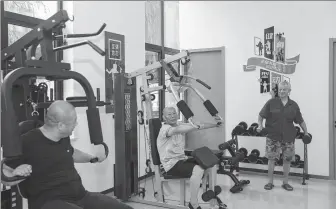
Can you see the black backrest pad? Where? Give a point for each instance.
(28, 125)
(154, 130)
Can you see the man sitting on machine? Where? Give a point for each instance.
(48, 162)
(171, 144)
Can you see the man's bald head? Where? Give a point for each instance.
(60, 112)
(170, 115)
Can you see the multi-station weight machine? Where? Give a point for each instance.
(20, 102)
(132, 89)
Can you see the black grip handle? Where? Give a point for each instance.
(94, 160)
(96, 48)
(87, 34)
(6, 178)
(203, 83)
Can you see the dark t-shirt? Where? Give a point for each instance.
(280, 118)
(53, 171)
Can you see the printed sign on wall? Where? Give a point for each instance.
(276, 78)
(264, 81)
(269, 42)
(258, 46)
(279, 48)
(114, 63)
(114, 49)
(284, 78)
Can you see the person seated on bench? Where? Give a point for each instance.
(48, 162)
(171, 144)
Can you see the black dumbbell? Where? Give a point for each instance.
(239, 129)
(307, 138)
(264, 160)
(263, 132)
(296, 162)
(238, 158)
(260, 161)
(243, 151)
(253, 157)
(253, 129)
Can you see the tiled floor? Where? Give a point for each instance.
(317, 194)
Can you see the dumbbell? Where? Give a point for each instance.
(239, 129)
(244, 151)
(238, 158)
(253, 129)
(253, 157)
(264, 160)
(263, 132)
(307, 138)
(296, 162)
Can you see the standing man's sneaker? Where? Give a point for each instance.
(269, 186)
(287, 187)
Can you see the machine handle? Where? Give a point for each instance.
(95, 47)
(83, 35)
(6, 178)
(203, 83)
(94, 160)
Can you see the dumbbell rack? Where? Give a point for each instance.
(305, 175)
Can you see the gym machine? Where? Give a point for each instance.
(19, 93)
(127, 115)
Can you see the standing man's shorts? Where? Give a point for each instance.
(274, 148)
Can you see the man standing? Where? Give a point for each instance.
(280, 113)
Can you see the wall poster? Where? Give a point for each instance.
(114, 63)
(284, 78)
(269, 43)
(279, 48)
(258, 46)
(264, 81)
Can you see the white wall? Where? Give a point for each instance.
(126, 18)
(307, 27)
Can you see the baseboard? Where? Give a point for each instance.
(111, 190)
(259, 171)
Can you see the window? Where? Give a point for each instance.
(152, 57)
(153, 22)
(156, 32)
(37, 9)
(171, 24)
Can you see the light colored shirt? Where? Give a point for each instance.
(171, 149)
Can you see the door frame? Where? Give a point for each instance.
(214, 49)
(332, 109)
